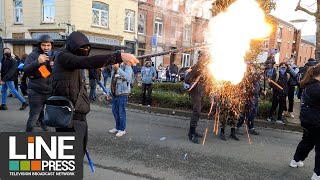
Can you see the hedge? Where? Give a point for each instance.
(163, 97)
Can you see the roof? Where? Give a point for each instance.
(283, 22)
(307, 42)
(61, 42)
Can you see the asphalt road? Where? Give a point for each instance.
(156, 147)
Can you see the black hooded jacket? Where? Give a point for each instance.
(310, 104)
(36, 81)
(67, 72)
(282, 81)
(8, 69)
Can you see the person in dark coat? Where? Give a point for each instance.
(40, 85)
(23, 84)
(310, 120)
(8, 73)
(93, 78)
(68, 77)
(197, 94)
(173, 72)
(281, 77)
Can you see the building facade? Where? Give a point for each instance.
(287, 40)
(306, 51)
(171, 24)
(1, 25)
(107, 23)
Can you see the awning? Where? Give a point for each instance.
(60, 42)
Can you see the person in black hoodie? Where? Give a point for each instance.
(93, 78)
(281, 77)
(8, 72)
(310, 120)
(68, 77)
(39, 86)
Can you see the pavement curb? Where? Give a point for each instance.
(181, 113)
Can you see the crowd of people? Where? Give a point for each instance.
(45, 73)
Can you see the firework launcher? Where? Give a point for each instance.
(187, 49)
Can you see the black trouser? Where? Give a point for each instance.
(291, 90)
(36, 103)
(197, 101)
(16, 84)
(278, 99)
(80, 127)
(146, 88)
(310, 139)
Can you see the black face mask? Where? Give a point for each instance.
(8, 55)
(82, 52)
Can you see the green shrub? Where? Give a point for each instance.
(166, 99)
(264, 108)
(170, 87)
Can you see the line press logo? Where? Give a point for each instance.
(39, 155)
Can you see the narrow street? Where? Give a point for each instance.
(156, 147)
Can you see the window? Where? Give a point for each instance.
(175, 5)
(279, 32)
(266, 44)
(130, 47)
(100, 14)
(300, 58)
(173, 29)
(278, 46)
(18, 18)
(142, 23)
(188, 7)
(158, 27)
(48, 11)
(187, 33)
(159, 3)
(185, 61)
(129, 21)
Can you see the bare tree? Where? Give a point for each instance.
(317, 16)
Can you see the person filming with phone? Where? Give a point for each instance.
(38, 69)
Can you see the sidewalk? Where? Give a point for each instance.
(293, 124)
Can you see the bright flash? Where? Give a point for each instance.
(230, 34)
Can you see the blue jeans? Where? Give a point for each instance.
(84, 74)
(119, 104)
(93, 89)
(10, 85)
(105, 78)
(102, 87)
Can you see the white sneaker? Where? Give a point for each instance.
(291, 115)
(295, 164)
(112, 131)
(315, 177)
(280, 122)
(120, 133)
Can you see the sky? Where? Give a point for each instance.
(286, 11)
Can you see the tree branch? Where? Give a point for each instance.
(300, 8)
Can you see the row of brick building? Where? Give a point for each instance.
(134, 25)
